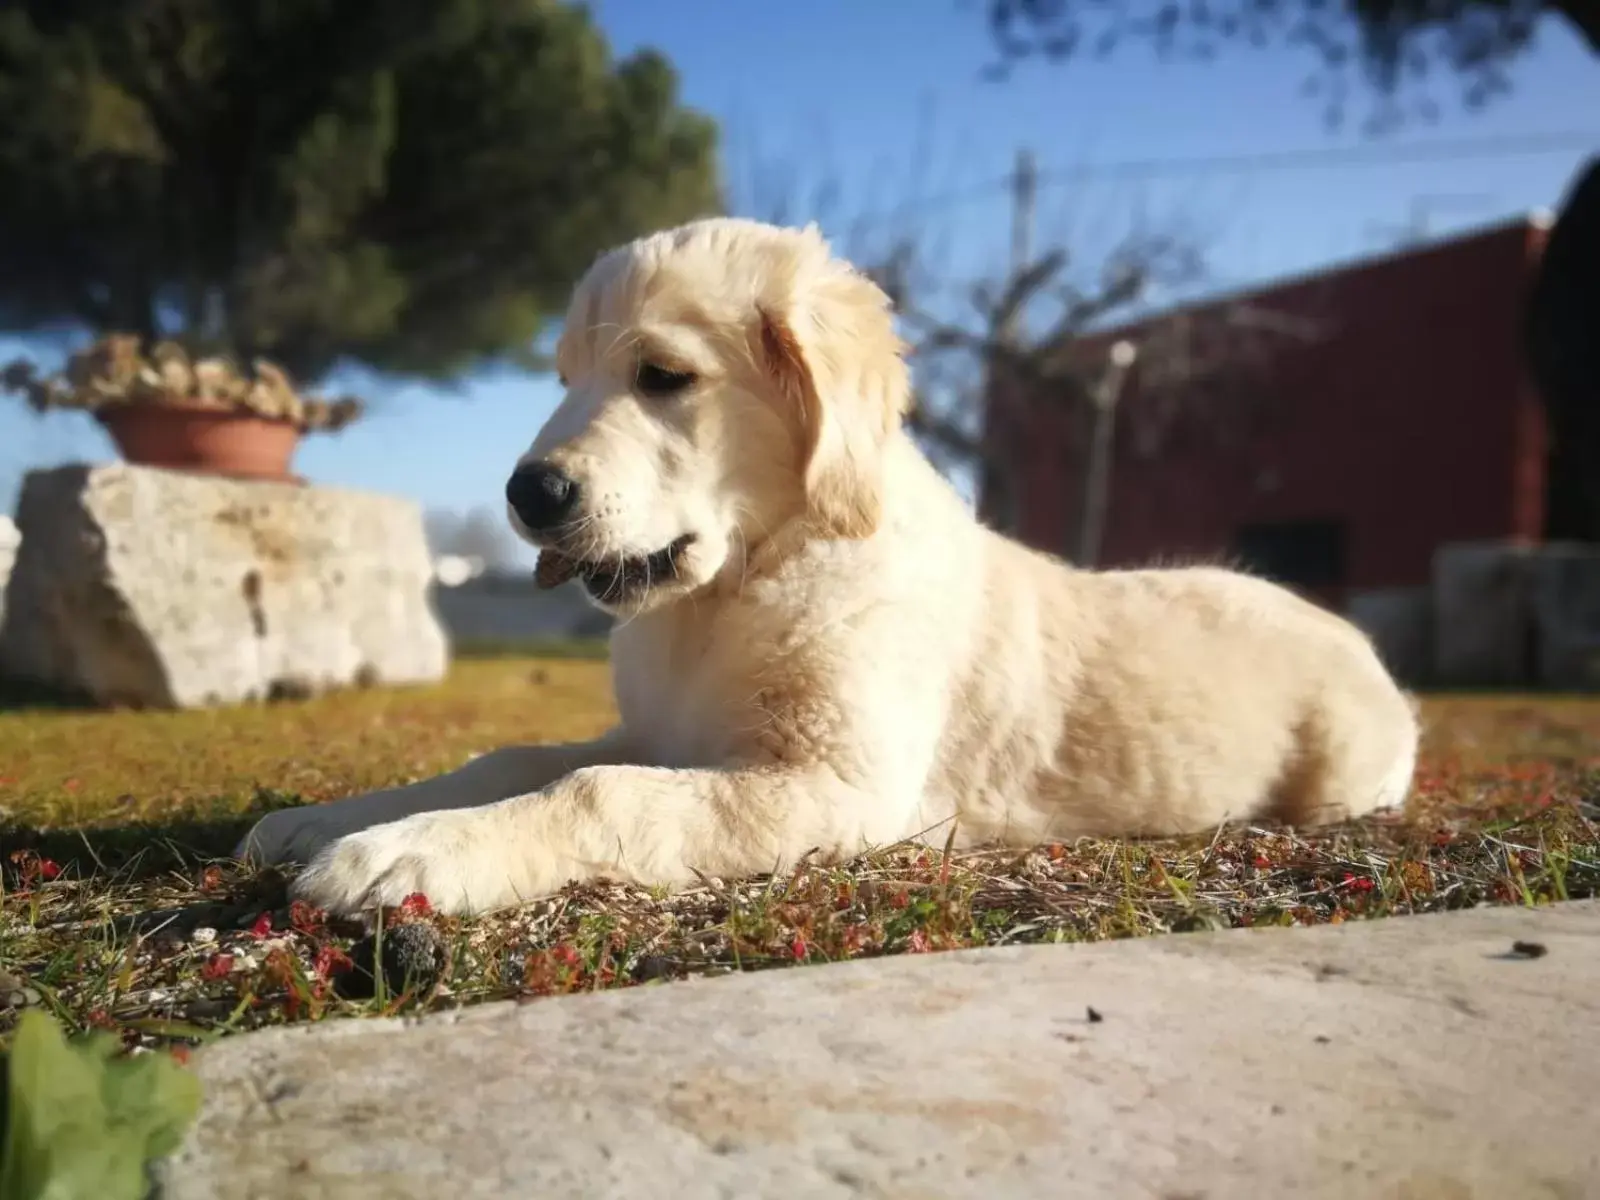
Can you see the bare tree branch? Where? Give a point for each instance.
(1391, 49)
(1202, 372)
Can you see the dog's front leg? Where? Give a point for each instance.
(650, 825)
(298, 834)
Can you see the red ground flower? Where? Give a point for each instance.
(305, 918)
(330, 961)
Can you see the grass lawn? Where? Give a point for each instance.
(117, 912)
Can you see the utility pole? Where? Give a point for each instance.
(1097, 471)
(1024, 206)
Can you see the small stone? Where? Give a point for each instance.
(652, 966)
(207, 1008)
(203, 936)
(414, 958)
(1199, 919)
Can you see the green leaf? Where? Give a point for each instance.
(82, 1121)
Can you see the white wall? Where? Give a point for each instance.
(509, 608)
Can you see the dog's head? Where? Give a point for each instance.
(724, 379)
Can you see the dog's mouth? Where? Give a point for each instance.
(613, 578)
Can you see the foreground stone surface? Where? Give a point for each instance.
(155, 588)
(1411, 1058)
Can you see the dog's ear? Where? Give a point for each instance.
(844, 374)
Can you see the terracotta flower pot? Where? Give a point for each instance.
(236, 444)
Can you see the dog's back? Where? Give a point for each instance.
(1162, 702)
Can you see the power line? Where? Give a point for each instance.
(1441, 150)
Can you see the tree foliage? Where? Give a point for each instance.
(409, 184)
(1394, 45)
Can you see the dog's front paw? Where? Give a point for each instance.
(441, 855)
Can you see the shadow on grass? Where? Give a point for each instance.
(141, 849)
(158, 867)
(20, 695)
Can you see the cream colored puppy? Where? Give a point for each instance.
(819, 648)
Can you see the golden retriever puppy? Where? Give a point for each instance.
(819, 649)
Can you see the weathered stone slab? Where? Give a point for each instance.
(1412, 1057)
(1566, 607)
(1482, 615)
(1515, 615)
(1400, 623)
(166, 589)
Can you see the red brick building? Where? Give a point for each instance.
(1393, 416)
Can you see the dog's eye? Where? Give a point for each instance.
(652, 380)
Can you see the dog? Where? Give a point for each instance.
(819, 650)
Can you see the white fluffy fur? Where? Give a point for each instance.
(847, 658)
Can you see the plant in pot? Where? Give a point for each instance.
(164, 407)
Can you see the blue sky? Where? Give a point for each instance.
(891, 107)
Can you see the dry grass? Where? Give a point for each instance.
(115, 914)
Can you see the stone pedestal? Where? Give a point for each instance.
(1508, 615)
(152, 588)
(1400, 623)
(1483, 615)
(1566, 605)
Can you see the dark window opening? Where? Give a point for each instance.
(1308, 554)
(998, 506)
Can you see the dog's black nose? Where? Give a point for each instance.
(543, 496)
